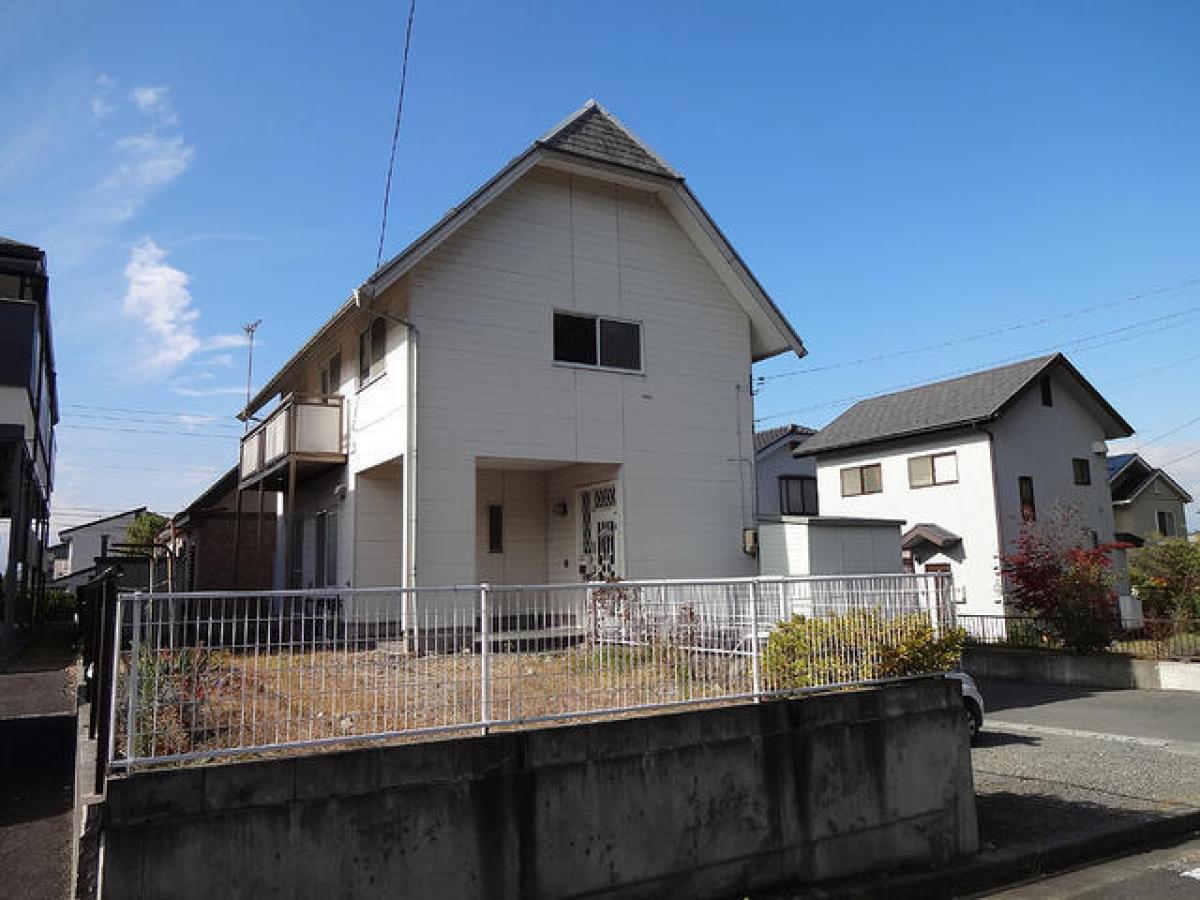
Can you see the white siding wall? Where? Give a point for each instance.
(1040, 441)
(488, 386)
(378, 526)
(522, 495)
(768, 469)
(810, 546)
(967, 508)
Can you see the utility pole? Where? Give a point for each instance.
(249, 328)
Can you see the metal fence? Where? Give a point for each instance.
(1155, 638)
(202, 675)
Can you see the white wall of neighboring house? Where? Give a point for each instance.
(828, 545)
(771, 465)
(1040, 442)
(966, 508)
(85, 543)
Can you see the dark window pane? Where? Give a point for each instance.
(1047, 393)
(1083, 471)
(1028, 508)
(809, 488)
(495, 529)
(620, 345)
(335, 373)
(378, 344)
(364, 357)
(574, 339)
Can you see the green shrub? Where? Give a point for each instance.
(856, 646)
(59, 606)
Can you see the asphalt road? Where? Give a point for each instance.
(1168, 873)
(1059, 763)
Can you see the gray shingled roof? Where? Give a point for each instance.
(927, 532)
(595, 135)
(960, 401)
(764, 439)
(15, 248)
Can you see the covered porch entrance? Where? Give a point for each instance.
(548, 522)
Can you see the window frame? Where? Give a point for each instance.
(495, 526)
(1086, 469)
(933, 458)
(1022, 482)
(596, 320)
(375, 368)
(784, 481)
(1159, 521)
(1047, 391)
(862, 482)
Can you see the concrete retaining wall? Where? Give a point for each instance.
(706, 803)
(1101, 670)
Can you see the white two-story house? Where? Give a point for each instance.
(967, 462)
(551, 384)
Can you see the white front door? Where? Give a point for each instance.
(601, 549)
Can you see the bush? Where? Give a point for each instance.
(1067, 586)
(1166, 574)
(59, 606)
(856, 646)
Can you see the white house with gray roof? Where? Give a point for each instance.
(968, 461)
(552, 383)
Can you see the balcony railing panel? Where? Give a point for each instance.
(303, 425)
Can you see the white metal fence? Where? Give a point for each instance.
(212, 674)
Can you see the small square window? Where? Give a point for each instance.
(1083, 471)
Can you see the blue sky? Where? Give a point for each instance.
(898, 176)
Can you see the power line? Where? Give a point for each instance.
(967, 371)
(1019, 326)
(1171, 462)
(146, 431)
(1174, 430)
(387, 188)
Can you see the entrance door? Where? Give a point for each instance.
(601, 553)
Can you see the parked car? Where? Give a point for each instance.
(972, 702)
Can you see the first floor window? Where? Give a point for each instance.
(1083, 470)
(862, 480)
(1028, 507)
(296, 542)
(1166, 523)
(798, 495)
(495, 529)
(936, 468)
(584, 340)
(325, 551)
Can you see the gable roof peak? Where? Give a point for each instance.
(595, 133)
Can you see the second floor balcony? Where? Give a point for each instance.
(304, 429)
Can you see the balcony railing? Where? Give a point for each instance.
(307, 426)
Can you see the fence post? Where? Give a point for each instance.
(755, 662)
(485, 657)
(135, 641)
(114, 630)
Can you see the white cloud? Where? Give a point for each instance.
(156, 102)
(158, 297)
(102, 105)
(145, 163)
(226, 391)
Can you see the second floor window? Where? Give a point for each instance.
(1028, 507)
(798, 495)
(331, 375)
(372, 351)
(1166, 523)
(1083, 471)
(593, 341)
(862, 480)
(936, 468)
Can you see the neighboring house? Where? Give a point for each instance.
(28, 414)
(551, 384)
(56, 561)
(787, 484)
(90, 541)
(1146, 501)
(203, 535)
(967, 462)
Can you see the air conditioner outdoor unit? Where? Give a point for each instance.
(750, 541)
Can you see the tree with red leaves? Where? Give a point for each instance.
(1066, 585)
